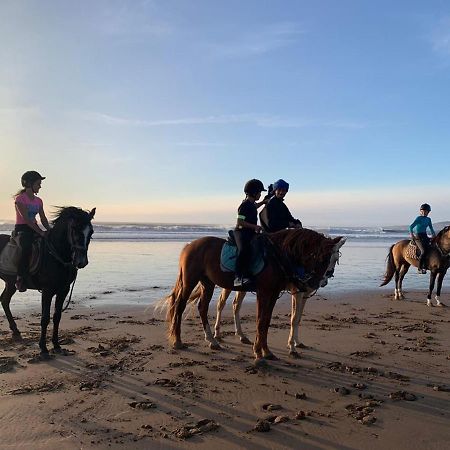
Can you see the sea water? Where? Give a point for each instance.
(138, 263)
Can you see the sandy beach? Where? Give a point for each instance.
(374, 374)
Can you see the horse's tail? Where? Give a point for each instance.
(390, 267)
(171, 303)
(195, 294)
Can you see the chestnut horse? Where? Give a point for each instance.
(437, 261)
(64, 252)
(298, 301)
(200, 263)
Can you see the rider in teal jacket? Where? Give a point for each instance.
(418, 232)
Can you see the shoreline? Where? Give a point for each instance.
(374, 375)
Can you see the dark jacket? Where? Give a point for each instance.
(276, 216)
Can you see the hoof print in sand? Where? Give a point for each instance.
(402, 395)
(202, 426)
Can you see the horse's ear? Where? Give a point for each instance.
(339, 242)
(92, 213)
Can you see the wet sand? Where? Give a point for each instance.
(374, 375)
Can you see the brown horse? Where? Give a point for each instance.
(64, 252)
(298, 301)
(437, 261)
(200, 263)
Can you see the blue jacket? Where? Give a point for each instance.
(420, 225)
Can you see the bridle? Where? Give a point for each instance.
(286, 266)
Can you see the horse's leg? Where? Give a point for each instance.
(220, 305)
(298, 304)
(45, 320)
(59, 301)
(397, 279)
(7, 293)
(403, 271)
(265, 305)
(207, 288)
(237, 303)
(440, 279)
(433, 275)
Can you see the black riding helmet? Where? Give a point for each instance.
(425, 207)
(253, 186)
(30, 177)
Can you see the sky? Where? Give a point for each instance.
(160, 111)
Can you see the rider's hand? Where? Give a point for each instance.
(258, 229)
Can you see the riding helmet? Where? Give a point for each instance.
(281, 184)
(253, 186)
(425, 207)
(30, 177)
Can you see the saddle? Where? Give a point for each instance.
(413, 251)
(10, 256)
(229, 253)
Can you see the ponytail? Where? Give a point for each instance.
(21, 191)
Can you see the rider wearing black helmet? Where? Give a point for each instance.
(418, 232)
(28, 205)
(246, 228)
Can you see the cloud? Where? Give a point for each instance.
(440, 37)
(257, 42)
(199, 144)
(259, 120)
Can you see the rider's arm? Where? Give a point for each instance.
(24, 213)
(43, 218)
(411, 227)
(241, 223)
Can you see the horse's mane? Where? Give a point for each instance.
(443, 231)
(64, 213)
(302, 244)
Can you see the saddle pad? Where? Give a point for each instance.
(228, 260)
(412, 251)
(10, 256)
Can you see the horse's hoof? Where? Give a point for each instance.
(45, 356)
(260, 362)
(442, 305)
(179, 346)
(300, 345)
(218, 338)
(245, 340)
(429, 304)
(271, 357)
(16, 336)
(294, 354)
(215, 346)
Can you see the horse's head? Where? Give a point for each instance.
(442, 240)
(76, 228)
(316, 253)
(333, 259)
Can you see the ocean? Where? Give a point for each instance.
(138, 263)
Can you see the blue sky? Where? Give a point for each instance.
(161, 110)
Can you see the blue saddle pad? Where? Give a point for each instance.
(228, 260)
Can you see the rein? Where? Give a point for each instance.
(284, 262)
(52, 251)
(55, 254)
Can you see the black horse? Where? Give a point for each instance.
(64, 252)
